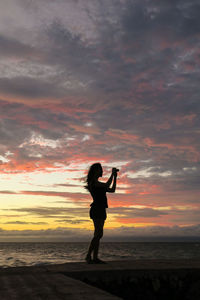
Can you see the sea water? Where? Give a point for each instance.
(29, 254)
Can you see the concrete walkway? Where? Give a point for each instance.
(63, 281)
(38, 283)
(47, 286)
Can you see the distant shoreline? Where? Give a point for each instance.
(136, 240)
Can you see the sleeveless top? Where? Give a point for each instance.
(99, 197)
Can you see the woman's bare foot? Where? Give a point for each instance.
(98, 261)
(88, 259)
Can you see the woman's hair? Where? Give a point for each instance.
(91, 175)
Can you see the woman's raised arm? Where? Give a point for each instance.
(113, 188)
(108, 182)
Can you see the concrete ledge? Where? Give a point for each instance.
(138, 280)
(163, 279)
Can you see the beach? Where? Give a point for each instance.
(131, 279)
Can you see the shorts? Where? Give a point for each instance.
(98, 213)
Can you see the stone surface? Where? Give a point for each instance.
(163, 279)
(45, 285)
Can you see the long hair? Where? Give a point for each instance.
(91, 175)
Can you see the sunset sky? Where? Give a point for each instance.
(115, 82)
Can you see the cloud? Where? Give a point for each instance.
(70, 195)
(52, 212)
(58, 234)
(67, 184)
(29, 88)
(119, 234)
(26, 223)
(70, 221)
(128, 212)
(165, 215)
(15, 49)
(7, 192)
(156, 232)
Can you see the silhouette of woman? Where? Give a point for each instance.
(98, 191)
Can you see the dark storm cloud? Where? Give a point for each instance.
(142, 30)
(12, 133)
(13, 48)
(29, 87)
(107, 62)
(68, 49)
(179, 18)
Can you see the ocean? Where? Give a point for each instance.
(35, 254)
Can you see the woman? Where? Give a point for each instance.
(98, 191)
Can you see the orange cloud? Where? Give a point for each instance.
(122, 135)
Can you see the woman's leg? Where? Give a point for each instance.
(98, 233)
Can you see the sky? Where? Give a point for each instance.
(115, 82)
